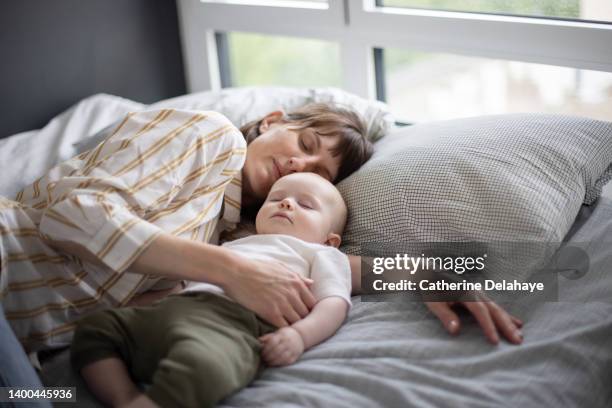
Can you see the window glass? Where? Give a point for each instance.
(594, 10)
(257, 59)
(426, 86)
(307, 1)
(266, 2)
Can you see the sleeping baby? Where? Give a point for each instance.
(199, 346)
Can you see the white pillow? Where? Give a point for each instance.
(242, 105)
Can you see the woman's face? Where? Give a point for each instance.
(280, 150)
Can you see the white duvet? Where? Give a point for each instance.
(26, 156)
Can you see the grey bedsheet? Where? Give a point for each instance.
(398, 355)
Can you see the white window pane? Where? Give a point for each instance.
(307, 1)
(426, 86)
(273, 60)
(594, 10)
(292, 3)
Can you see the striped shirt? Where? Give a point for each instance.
(167, 170)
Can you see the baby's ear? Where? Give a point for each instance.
(333, 240)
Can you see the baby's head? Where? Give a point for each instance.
(305, 206)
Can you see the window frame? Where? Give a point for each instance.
(360, 26)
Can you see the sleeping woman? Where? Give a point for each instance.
(131, 219)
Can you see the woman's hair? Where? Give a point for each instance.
(328, 120)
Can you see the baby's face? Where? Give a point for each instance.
(305, 206)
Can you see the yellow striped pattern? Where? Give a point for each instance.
(179, 150)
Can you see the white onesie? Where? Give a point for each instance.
(325, 265)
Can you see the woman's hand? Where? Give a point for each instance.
(282, 347)
(490, 316)
(275, 293)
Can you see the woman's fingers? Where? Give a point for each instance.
(483, 316)
(504, 323)
(306, 295)
(299, 306)
(518, 322)
(307, 281)
(447, 316)
(491, 317)
(276, 318)
(273, 291)
(299, 301)
(290, 314)
(294, 303)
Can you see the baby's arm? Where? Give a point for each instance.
(287, 344)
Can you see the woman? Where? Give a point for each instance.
(150, 198)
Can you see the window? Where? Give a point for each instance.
(424, 86)
(256, 59)
(590, 10)
(429, 59)
(281, 3)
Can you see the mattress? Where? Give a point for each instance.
(392, 354)
(396, 354)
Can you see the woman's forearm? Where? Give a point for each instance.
(268, 288)
(355, 262)
(172, 257)
(179, 258)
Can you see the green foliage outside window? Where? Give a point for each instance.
(550, 8)
(271, 60)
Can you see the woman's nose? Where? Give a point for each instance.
(299, 164)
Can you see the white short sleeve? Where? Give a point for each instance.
(331, 273)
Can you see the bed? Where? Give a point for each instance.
(395, 354)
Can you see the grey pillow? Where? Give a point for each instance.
(520, 177)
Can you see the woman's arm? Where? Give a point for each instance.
(355, 262)
(272, 291)
(161, 165)
(157, 165)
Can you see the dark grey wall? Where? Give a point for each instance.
(56, 52)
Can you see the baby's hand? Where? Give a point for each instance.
(282, 347)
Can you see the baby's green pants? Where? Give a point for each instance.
(194, 349)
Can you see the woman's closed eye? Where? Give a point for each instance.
(306, 146)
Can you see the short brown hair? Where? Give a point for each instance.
(328, 120)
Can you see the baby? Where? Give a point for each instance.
(198, 347)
